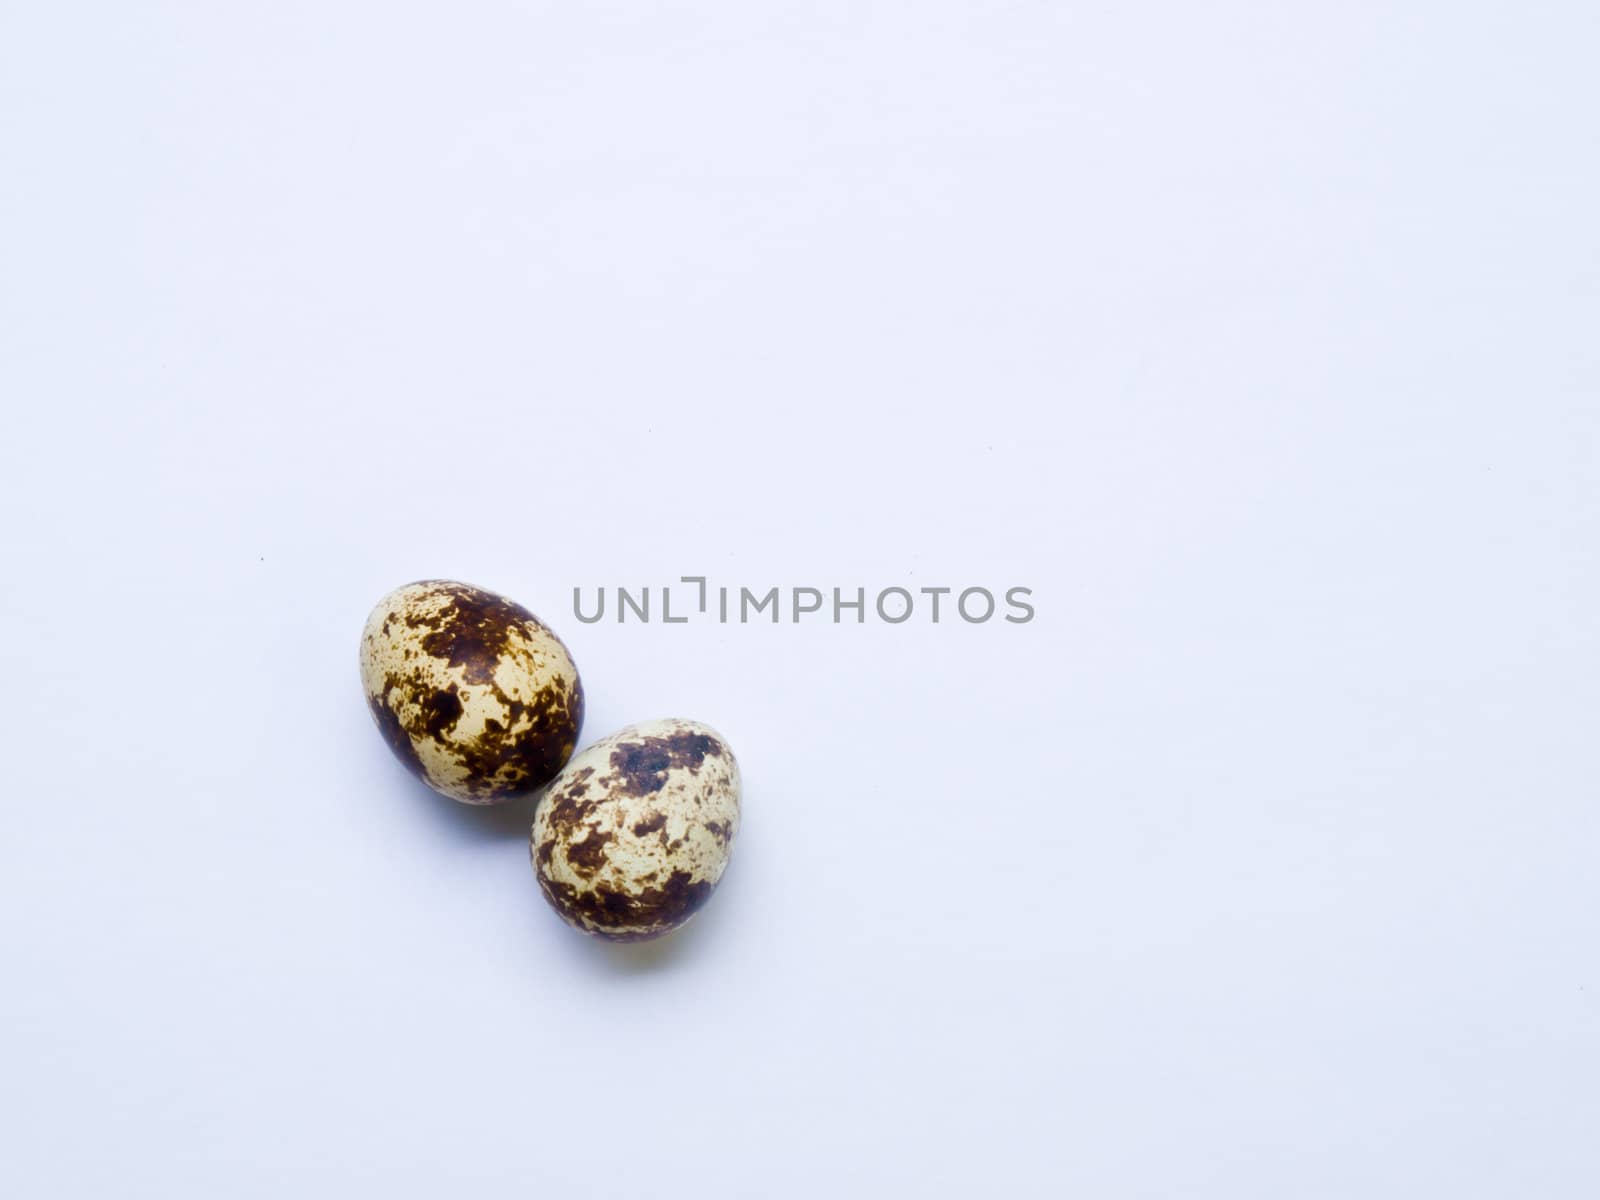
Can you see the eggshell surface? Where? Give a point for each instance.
(472, 692)
(630, 839)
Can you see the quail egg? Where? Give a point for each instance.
(632, 836)
(473, 693)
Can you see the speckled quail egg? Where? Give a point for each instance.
(472, 692)
(630, 839)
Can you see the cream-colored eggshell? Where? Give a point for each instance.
(630, 839)
(472, 692)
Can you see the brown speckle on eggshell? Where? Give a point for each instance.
(472, 692)
(630, 839)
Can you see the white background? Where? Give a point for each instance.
(1259, 340)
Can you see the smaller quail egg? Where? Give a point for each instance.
(632, 836)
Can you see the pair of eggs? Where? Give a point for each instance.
(482, 702)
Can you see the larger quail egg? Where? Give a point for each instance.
(472, 692)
